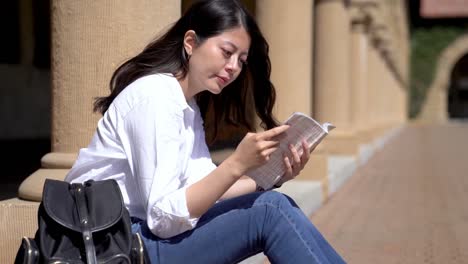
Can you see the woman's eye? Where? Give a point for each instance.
(242, 62)
(227, 53)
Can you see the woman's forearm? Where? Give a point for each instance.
(243, 186)
(203, 194)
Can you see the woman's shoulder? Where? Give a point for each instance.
(160, 89)
(159, 84)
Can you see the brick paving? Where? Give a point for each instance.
(408, 204)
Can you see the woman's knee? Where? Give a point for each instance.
(277, 198)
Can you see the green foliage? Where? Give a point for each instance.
(427, 44)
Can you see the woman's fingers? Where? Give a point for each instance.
(267, 152)
(263, 145)
(268, 134)
(295, 154)
(289, 169)
(255, 148)
(306, 153)
(296, 162)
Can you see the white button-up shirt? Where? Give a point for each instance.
(152, 142)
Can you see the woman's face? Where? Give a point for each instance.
(217, 61)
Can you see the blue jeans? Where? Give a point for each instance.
(235, 229)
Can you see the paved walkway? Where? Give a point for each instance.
(408, 204)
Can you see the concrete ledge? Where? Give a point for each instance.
(365, 153)
(31, 188)
(18, 218)
(340, 168)
(367, 150)
(307, 194)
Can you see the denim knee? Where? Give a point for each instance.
(277, 198)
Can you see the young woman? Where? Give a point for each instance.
(151, 140)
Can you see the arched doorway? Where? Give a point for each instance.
(458, 90)
(449, 69)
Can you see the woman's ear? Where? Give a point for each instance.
(190, 41)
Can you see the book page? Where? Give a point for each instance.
(302, 127)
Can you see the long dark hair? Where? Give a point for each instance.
(166, 54)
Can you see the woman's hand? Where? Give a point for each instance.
(296, 163)
(255, 148)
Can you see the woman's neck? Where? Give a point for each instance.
(184, 83)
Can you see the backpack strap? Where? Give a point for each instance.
(79, 193)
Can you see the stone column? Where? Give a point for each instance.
(381, 86)
(403, 61)
(386, 90)
(375, 73)
(331, 74)
(287, 26)
(390, 103)
(393, 103)
(396, 118)
(401, 97)
(89, 40)
(372, 81)
(332, 94)
(382, 89)
(359, 65)
(403, 103)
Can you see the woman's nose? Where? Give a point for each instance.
(232, 65)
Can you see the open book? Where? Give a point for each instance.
(302, 127)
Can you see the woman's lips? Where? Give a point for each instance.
(222, 80)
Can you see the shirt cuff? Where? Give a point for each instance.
(170, 216)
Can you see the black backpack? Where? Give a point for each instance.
(82, 223)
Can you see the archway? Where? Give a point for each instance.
(436, 107)
(458, 90)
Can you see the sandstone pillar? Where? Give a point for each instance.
(403, 113)
(359, 67)
(287, 26)
(372, 80)
(393, 77)
(375, 76)
(385, 86)
(332, 94)
(381, 86)
(89, 40)
(331, 74)
(400, 103)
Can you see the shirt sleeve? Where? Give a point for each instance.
(201, 163)
(153, 142)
